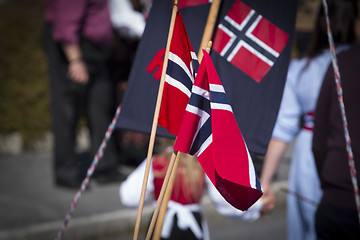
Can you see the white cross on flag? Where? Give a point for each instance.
(249, 41)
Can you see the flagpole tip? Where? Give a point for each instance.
(176, 2)
(208, 48)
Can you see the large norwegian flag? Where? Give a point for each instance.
(252, 44)
(210, 132)
(181, 69)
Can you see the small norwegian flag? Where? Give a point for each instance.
(210, 132)
(182, 66)
(249, 41)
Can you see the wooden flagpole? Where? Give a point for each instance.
(209, 27)
(168, 186)
(155, 121)
(172, 168)
(168, 174)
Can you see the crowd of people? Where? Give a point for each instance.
(79, 39)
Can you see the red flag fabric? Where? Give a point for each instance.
(210, 132)
(179, 79)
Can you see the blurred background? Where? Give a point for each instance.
(24, 95)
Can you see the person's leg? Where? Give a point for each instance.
(311, 192)
(305, 190)
(294, 222)
(101, 110)
(64, 115)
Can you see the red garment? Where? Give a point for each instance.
(73, 18)
(183, 191)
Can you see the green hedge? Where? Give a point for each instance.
(24, 90)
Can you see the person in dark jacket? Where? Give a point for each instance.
(337, 216)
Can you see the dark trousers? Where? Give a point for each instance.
(70, 100)
(332, 222)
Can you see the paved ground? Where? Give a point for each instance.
(31, 207)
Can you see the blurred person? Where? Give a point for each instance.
(77, 39)
(295, 119)
(128, 22)
(337, 215)
(183, 218)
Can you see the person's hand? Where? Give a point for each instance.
(268, 198)
(78, 72)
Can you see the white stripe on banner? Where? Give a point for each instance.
(216, 88)
(221, 106)
(252, 50)
(197, 111)
(230, 42)
(258, 41)
(194, 110)
(193, 55)
(204, 116)
(200, 91)
(243, 23)
(180, 62)
(252, 173)
(194, 58)
(177, 84)
(204, 146)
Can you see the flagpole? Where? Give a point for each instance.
(155, 121)
(209, 27)
(167, 188)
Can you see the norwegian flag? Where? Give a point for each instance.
(182, 66)
(249, 41)
(210, 132)
(255, 100)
